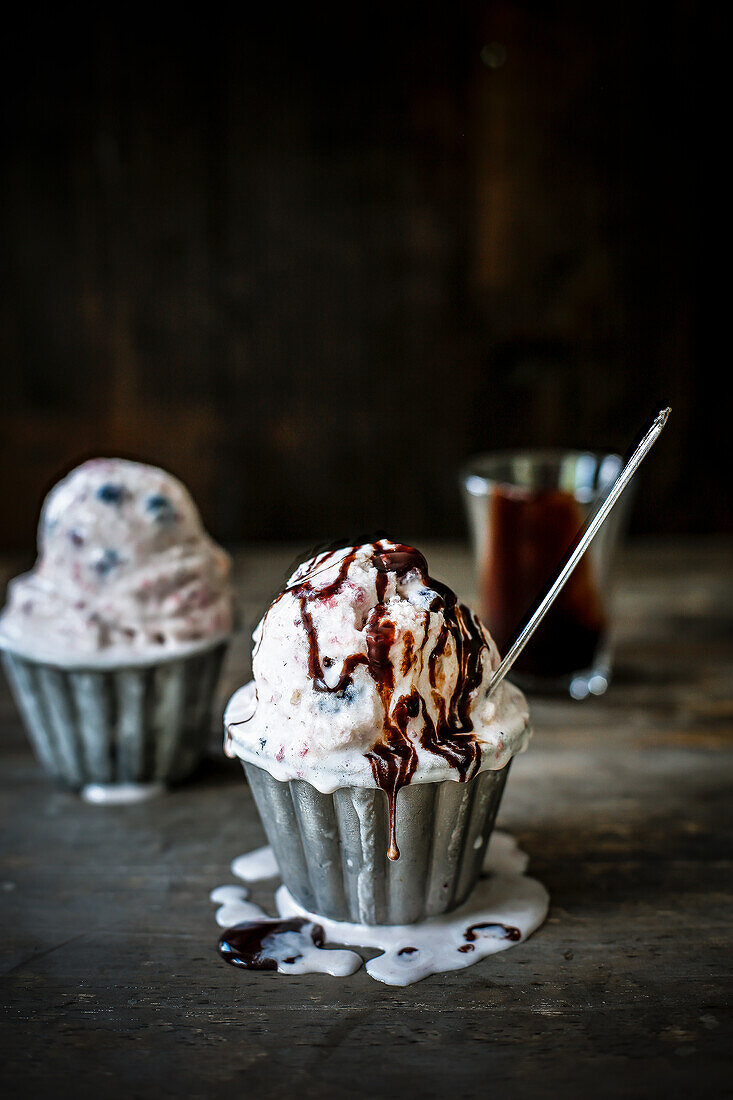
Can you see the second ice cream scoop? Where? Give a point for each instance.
(124, 567)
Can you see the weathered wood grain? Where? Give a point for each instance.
(111, 981)
(307, 267)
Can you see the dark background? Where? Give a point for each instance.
(310, 263)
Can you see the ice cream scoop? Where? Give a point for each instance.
(125, 569)
(370, 673)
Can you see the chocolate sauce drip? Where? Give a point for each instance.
(393, 764)
(457, 747)
(508, 932)
(408, 656)
(394, 759)
(253, 944)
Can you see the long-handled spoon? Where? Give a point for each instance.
(589, 531)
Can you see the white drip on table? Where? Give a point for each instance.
(504, 908)
(256, 866)
(120, 794)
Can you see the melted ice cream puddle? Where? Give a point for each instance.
(256, 866)
(120, 794)
(505, 908)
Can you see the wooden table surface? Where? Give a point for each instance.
(111, 980)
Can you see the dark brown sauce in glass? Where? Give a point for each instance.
(530, 533)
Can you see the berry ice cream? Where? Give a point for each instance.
(125, 570)
(370, 673)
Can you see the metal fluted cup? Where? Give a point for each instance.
(141, 724)
(332, 848)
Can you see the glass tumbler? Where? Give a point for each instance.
(525, 509)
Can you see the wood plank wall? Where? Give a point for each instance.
(310, 265)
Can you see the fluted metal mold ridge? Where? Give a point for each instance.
(131, 725)
(332, 848)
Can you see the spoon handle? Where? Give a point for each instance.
(586, 536)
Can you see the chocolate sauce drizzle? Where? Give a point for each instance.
(394, 758)
(503, 932)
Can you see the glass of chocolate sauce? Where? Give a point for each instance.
(525, 509)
